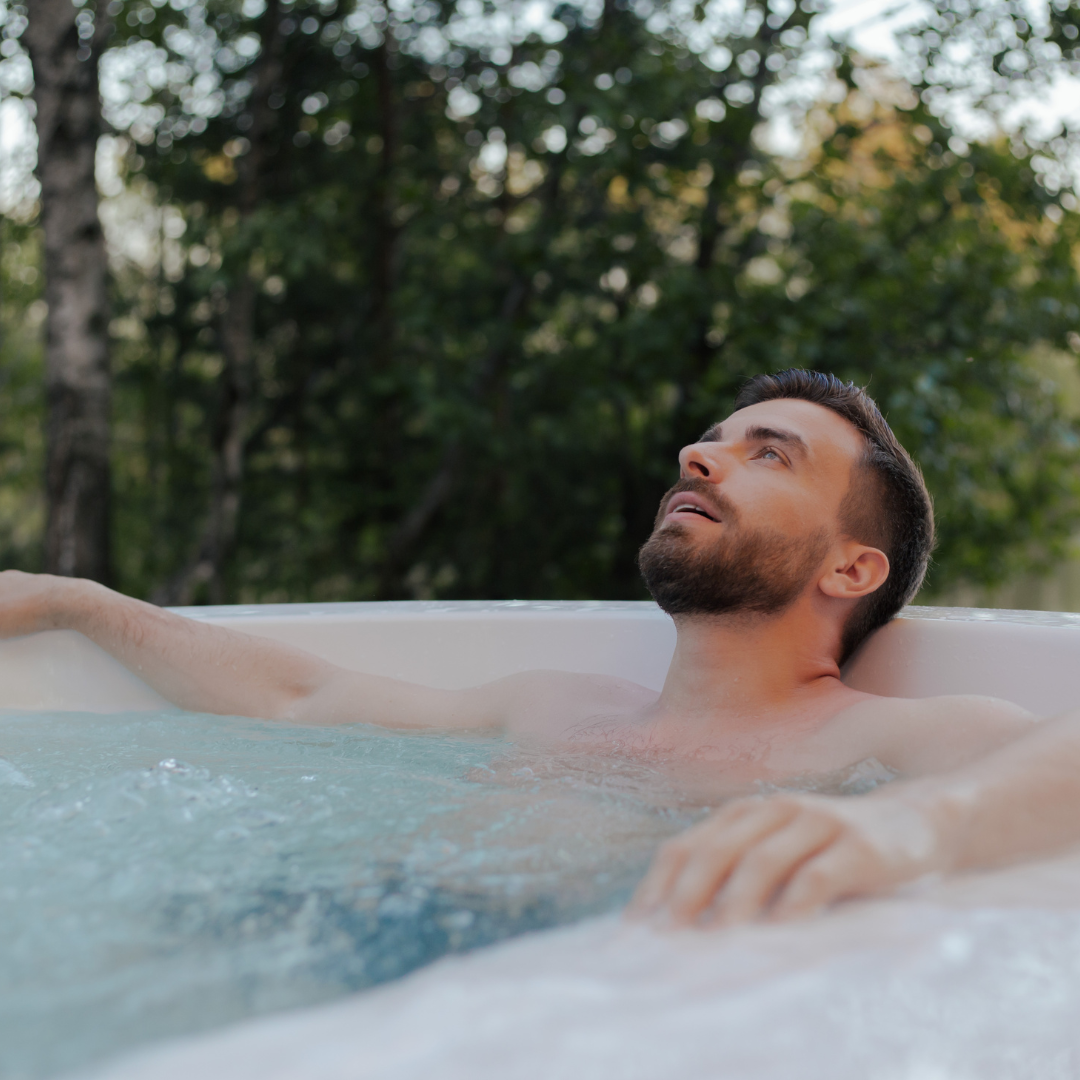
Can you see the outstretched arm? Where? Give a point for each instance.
(209, 668)
(791, 855)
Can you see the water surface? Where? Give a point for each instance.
(167, 873)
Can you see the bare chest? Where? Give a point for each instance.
(737, 749)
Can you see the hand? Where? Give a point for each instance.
(791, 855)
(33, 602)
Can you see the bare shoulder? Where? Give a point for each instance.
(924, 735)
(550, 703)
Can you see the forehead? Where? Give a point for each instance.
(827, 436)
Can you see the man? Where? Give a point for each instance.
(798, 526)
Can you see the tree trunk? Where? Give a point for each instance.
(77, 479)
(386, 230)
(236, 338)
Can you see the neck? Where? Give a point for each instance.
(743, 672)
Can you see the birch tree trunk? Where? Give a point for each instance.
(77, 481)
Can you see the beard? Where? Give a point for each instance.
(743, 571)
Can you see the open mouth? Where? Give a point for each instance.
(683, 505)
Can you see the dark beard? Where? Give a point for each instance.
(758, 571)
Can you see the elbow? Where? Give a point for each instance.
(301, 701)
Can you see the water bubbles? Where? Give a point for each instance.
(171, 765)
(200, 869)
(61, 811)
(13, 777)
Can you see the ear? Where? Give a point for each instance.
(856, 573)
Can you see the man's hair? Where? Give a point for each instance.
(886, 505)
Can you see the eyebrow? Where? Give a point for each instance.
(758, 434)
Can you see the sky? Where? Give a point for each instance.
(872, 26)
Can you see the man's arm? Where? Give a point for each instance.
(208, 668)
(790, 855)
(920, 736)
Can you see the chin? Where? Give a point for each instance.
(676, 529)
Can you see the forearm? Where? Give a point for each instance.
(1022, 800)
(193, 664)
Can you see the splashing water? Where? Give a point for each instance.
(171, 872)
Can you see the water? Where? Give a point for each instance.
(168, 873)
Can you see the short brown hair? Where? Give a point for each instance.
(887, 506)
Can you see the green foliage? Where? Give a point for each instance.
(482, 338)
(22, 397)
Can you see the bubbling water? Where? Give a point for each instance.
(171, 872)
(167, 873)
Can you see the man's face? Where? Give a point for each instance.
(754, 512)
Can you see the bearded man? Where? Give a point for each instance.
(798, 526)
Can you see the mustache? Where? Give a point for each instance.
(706, 492)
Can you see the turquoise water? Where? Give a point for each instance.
(168, 873)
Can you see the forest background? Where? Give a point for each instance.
(420, 299)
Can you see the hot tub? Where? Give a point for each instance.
(979, 977)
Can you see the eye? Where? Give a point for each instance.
(770, 454)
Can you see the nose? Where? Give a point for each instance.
(699, 461)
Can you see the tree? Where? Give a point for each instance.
(486, 289)
(64, 45)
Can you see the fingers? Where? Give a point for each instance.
(654, 887)
(835, 873)
(671, 858)
(788, 856)
(767, 868)
(716, 855)
(688, 870)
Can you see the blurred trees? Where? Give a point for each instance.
(22, 396)
(432, 318)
